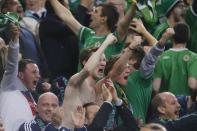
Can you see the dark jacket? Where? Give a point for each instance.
(100, 120)
(185, 123)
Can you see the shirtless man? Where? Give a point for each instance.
(80, 88)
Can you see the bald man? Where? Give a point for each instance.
(46, 106)
(47, 118)
(166, 109)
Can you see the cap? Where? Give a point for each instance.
(163, 7)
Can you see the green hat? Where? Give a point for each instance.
(163, 7)
(9, 17)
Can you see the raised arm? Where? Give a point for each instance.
(92, 62)
(124, 22)
(148, 63)
(157, 80)
(138, 26)
(66, 16)
(11, 68)
(120, 64)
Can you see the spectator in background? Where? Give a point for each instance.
(138, 88)
(166, 112)
(146, 11)
(35, 9)
(59, 45)
(176, 70)
(174, 12)
(19, 80)
(29, 46)
(117, 70)
(103, 21)
(47, 117)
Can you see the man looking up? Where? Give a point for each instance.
(175, 70)
(104, 20)
(80, 88)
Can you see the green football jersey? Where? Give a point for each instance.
(160, 29)
(174, 67)
(146, 11)
(88, 38)
(138, 92)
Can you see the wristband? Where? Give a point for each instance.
(118, 102)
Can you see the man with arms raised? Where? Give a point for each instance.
(103, 21)
(80, 88)
(19, 80)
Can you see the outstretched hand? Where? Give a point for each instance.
(78, 117)
(169, 32)
(109, 84)
(111, 38)
(106, 93)
(135, 42)
(166, 35)
(57, 117)
(137, 25)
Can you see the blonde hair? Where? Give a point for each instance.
(3, 56)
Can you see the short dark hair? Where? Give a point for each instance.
(86, 53)
(138, 54)
(23, 63)
(110, 63)
(49, 8)
(109, 10)
(182, 33)
(156, 102)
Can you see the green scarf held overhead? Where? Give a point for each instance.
(6, 19)
(146, 11)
